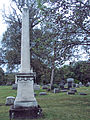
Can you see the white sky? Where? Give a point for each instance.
(3, 4)
(3, 26)
(6, 4)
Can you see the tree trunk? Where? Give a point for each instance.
(53, 66)
(52, 78)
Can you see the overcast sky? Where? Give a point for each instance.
(3, 26)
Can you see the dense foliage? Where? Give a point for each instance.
(2, 81)
(80, 71)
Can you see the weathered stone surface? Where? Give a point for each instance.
(70, 82)
(70, 79)
(71, 93)
(25, 94)
(10, 100)
(77, 85)
(73, 89)
(80, 84)
(56, 90)
(74, 85)
(42, 93)
(44, 87)
(36, 87)
(82, 93)
(25, 42)
(88, 84)
(14, 86)
(63, 90)
(25, 113)
(25, 104)
(61, 86)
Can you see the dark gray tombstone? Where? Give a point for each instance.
(14, 86)
(88, 84)
(70, 82)
(71, 93)
(56, 90)
(36, 87)
(62, 83)
(74, 85)
(35, 94)
(73, 89)
(44, 87)
(82, 94)
(61, 86)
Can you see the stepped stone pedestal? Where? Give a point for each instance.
(25, 105)
(25, 92)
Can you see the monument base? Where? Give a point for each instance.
(25, 113)
(25, 92)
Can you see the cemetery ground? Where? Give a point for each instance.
(59, 106)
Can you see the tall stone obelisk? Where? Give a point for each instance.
(25, 92)
(25, 105)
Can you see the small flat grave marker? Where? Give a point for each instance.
(82, 94)
(42, 93)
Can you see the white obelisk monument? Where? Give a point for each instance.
(25, 92)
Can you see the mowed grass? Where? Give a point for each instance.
(58, 106)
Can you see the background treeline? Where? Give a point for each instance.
(80, 71)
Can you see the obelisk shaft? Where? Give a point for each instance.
(25, 92)
(25, 42)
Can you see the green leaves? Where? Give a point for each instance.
(41, 4)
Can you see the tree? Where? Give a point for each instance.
(2, 76)
(9, 78)
(68, 23)
(11, 42)
(82, 71)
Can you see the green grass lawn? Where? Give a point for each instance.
(58, 106)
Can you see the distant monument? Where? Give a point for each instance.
(25, 105)
(70, 82)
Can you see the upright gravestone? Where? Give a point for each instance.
(88, 84)
(80, 84)
(25, 105)
(36, 87)
(62, 84)
(70, 82)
